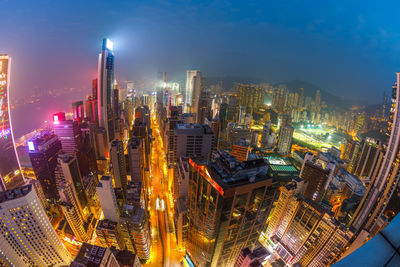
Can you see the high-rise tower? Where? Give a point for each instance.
(105, 89)
(10, 169)
(190, 86)
(119, 165)
(43, 152)
(369, 213)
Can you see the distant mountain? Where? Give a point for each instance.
(293, 85)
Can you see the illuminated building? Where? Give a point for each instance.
(142, 130)
(136, 159)
(279, 99)
(68, 172)
(222, 114)
(105, 87)
(95, 84)
(134, 223)
(228, 204)
(91, 110)
(266, 133)
(192, 140)
(109, 234)
(250, 96)
(284, 208)
(203, 105)
(233, 108)
(169, 134)
(39, 191)
(236, 132)
(316, 176)
(312, 237)
(240, 149)
(116, 111)
(10, 169)
(95, 256)
(190, 87)
(26, 234)
(43, 152)
(285, 140)
(135, 194)
(368, 158)
(249, 258)
(119, 165)
(368, 216)
(242, 114)
(68, 133)
(78, 111)
(108, 200)
(72, 211)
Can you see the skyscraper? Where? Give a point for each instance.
(43, 152)
(368, 158)
(108, 200)
(312, 237)
(26, 235)
(190, 87)
(192, 140)
(381, 188)
(316, 176)
(135, 224)
(72, 211)
(105, 87)
(68, 133)
(285, 140)
(118, 165)
(109, 234)
(68, 172)
(10, 169)
(136, 159)
(228, 204)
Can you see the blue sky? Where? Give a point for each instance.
(345, 47)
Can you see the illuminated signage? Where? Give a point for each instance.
(109, 44)
(31, 146)
(4, 121)
(203, 171)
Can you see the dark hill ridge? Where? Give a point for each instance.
(294, 86)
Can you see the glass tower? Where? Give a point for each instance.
(105, 89)
(10, 170)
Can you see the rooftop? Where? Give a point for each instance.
(15, 193)
(134, 213)
(228, 172)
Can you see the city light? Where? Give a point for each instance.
(31, 146)
(109, 44)
(200, 167)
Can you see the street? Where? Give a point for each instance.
(164, 251)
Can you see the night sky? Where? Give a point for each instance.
(346, 48)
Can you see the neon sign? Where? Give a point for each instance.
(203, 171)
